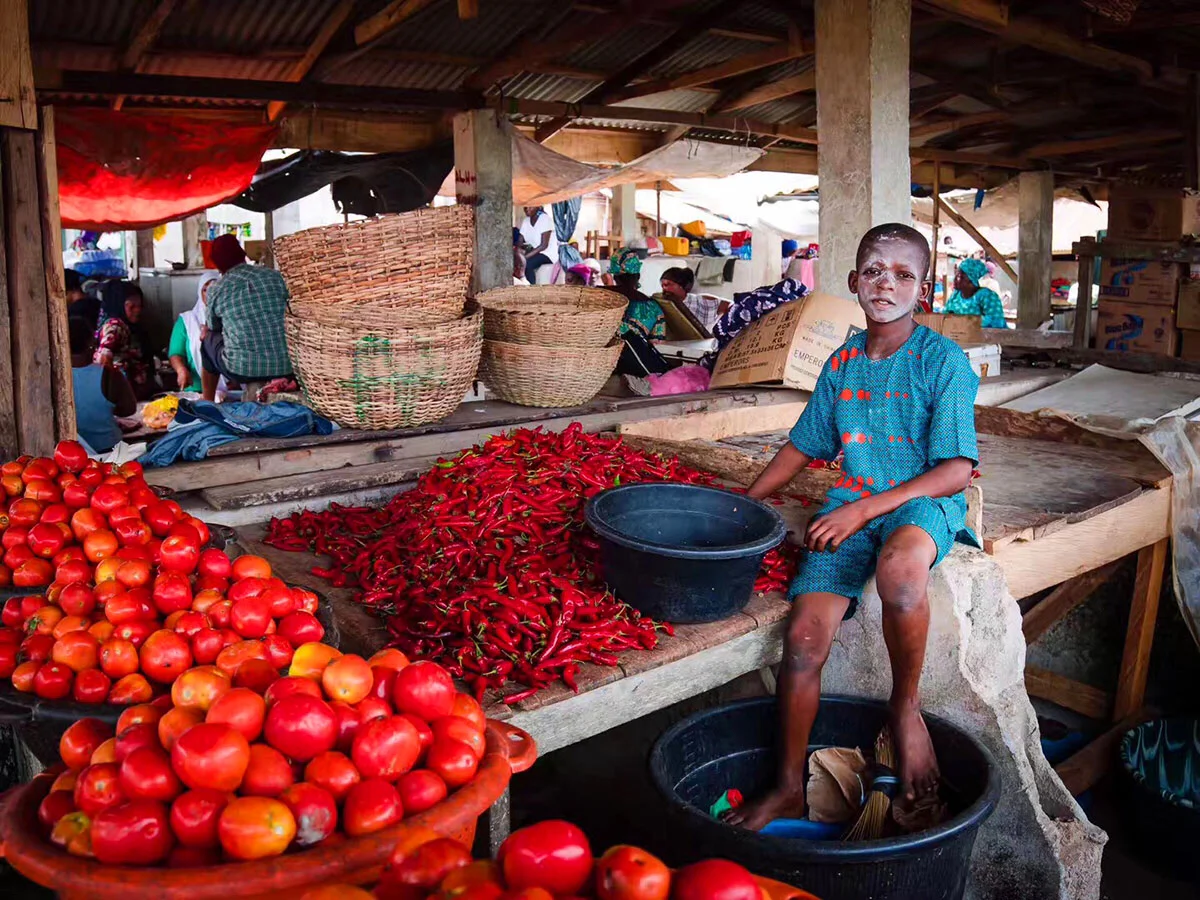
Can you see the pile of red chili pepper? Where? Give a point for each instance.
(486, 565)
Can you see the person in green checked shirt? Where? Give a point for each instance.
(243, 338)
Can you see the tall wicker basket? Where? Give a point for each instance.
(385, 377)
(552, 315)
(398, 270)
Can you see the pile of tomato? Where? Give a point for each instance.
(549, 860)
(250, 766)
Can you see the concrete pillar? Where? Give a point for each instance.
(1035, 231)
(624, 211)
(285, 220)
(195, 230)
(862, 116)
(483, 179)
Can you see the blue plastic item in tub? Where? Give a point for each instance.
(804, 828)
(682, 552)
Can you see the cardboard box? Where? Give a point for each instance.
(1189, 345)
(1136, 328)
(791, 344)
(1187, 312)
(1140, 281)
(984, 359)
(966, 331)
(1152, 214)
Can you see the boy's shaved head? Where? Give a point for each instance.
(889, 232)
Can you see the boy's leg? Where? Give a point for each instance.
(902, 576)
(811, 627)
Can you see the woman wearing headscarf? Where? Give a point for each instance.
(643, 321)
(580, 275)
(184, 349)
(970, 299)
(121, 342)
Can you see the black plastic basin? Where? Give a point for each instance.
(734, 746)
(680, 552)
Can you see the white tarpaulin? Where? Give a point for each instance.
(540, 175)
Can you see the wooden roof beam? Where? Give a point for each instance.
(388, 19)
(983, 242)
(145, 36)
(772, 90)
(1135, 138)
(329, 28)
(468, 9)
(1148, 22)
(958, 123)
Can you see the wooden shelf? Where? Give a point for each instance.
(1106, 249)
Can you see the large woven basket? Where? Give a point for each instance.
(397, 270)
(385, 378)
(532, 375)
(552, 315)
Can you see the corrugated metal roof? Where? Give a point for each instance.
(705, 50)
(679, 101)
(243, 25)
(438, 28)
(777, 110)
(98, 22)
(555, 88)
(229, 66)
(394, 73)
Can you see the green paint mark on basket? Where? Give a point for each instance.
(403, 385)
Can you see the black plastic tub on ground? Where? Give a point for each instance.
(681, 552)
(733, 746)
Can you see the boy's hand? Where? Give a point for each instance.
(828, 531)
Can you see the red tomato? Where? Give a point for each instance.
(131, 689)
(144, 714)
(160, 516)
(132, 532)
(135, 632)
(80, 741)
(108, 497)
(348, 720)
(386, 748)
(176, 721)
(133, 573)
(231, 658)
(12, 616)
(250, 616)
(172, 591)
(77, 598)
(246, 588)
(24, 512)
(128, 607)
(423, 731)
(467, 707)
(371, 805)
(630, 873)
(98, 787)
(206, 644)
(420, 790)
(54, 806)
(301, 628)
(289, 685)
(45, 540)
(194, 817)
(554, 855)
(347, 678)
(8, 659)
(77, 650)
(453, 760)
(146, 774)
(43, 490)
(52, 681)
(32, 573)
(714, 879)
(452, 728)
(76, 495)
(268, 774)
(256, 828)
(179, 553)
(70, 456)
(300, 726)
(425, 867)
(382, 679)
(211, 755)
(334, 772)
(250, 566)
(189, 623)
(424, 689)
(373, 708)
(165, 656)
(256, 674)
(280, 600)
(134, 737)
(91, 686)
(14, 536)
(314, 810)
(200, 688)
(218, 614)
(118, 658)
(215, 563)
(137, 833)
(477, 881)
(37, 647)
(241, 709)
(279, 651)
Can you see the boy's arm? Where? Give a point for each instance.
(785, 466)
(946, 479)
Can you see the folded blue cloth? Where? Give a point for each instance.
(199, 426)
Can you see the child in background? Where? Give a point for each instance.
(898, 399)
(100, 392)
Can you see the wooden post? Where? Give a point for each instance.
(28, 309)
(1139, 636)
(195, 229)
(145, 248)
(937, 218)
(269, 235)
(1083, 302)
(62, 380)
(483, 179)
(18, 104)
(624, 211)
(1191, 135)
(1035, 232)
(8, 414)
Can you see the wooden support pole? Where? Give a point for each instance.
(195, 229)
(937, 218)
(18, 104)
(28, 309)
(1067, 692)
(1139, 636)
(145, 248)
(963, 223)
(1083, 302)
(62, 379)
(8, 413)
(1064, 598)
(1086, 767)
(1035, 233)
(483, 179)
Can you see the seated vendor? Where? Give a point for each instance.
(121, 341)
(538, 241)
(184, 350)
(101, 392)
(677, 283)
(80, 304)
(898, 401)
(970, 298)
(243, 336)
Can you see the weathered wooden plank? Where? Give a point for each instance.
(8, 412)
(1139, 636)
(1064, 598)
(712, 426)
(1089, 765)
(62, 381)
(314, 484)
(1067, 692)
(27, 294)
(18, 104)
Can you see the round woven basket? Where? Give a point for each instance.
(552, 315)
(385, 378)
(398, 270)
(532, 375)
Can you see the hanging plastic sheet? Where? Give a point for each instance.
(135, 170)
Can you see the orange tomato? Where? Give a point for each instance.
(389, 658)
(87, 521)
(347, 678)
(131, 689)
(67, 624)
(13, 485)
(200, 688)
(467, 707)
(118, 658)
(100, 545)
(175, 722)
(337, 892)
(44, 620)
(165, 656)
(105, 753)
(22, 676)
(229, 659)
(142, 714)
(256, 828)
(76, 650)
(250, 566)
(310, 660)
(102, 630)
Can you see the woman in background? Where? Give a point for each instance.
(642, 315)
(184, 349)
(677, 284)
(969, 299)
(101, 392)
(121, 342)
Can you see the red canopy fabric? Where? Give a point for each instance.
(134, 170)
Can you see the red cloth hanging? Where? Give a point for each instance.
(134, 170)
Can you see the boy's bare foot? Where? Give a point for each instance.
(778, 803)
(918, 764)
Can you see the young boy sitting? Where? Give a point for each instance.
(898, 400)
